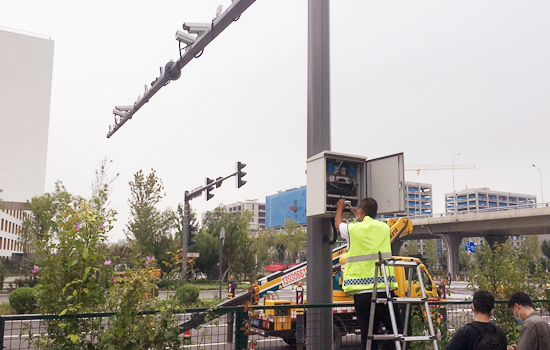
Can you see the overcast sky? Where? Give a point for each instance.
(428, 78)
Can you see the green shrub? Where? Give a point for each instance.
(23, 300)
(166, 284)
(187, 294)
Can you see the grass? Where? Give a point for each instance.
(5, 309)
(212, 286)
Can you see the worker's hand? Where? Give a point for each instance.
(341, 205)
(512, 347)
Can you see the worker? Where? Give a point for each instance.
(535, 331)
(367, 239)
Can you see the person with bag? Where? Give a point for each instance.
(535, 331)
(481, 334)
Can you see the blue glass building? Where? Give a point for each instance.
(287, 205)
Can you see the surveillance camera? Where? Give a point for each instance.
(119, 113)
(124, 108)
(196, 28)
(219, 11)
(185, 38)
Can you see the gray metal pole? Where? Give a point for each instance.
(319, 291)
(222, 237)
(185, 236)
(541, 193)
(221, 271)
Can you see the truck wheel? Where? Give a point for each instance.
(290, 341)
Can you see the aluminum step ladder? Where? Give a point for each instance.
(401, 340)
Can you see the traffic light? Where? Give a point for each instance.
(192, 233)
(209, 188)
(240, 174)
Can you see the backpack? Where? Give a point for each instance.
(487, 340)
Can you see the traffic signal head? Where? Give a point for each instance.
(192, 233)
(209, 188)
(240, 174)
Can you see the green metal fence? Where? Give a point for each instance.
(245, 327)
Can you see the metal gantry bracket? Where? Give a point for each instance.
(172, 70)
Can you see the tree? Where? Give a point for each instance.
(40, 225)
(545, 247)
(237, 250)
(263, 245)
(465, 259)
(72, 270)
(431, 255)
(148, 227)
(412, 248)
(102, 186)
(291, 240)
(503, 270)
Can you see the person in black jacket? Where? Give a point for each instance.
(466, 337)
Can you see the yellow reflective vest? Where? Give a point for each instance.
(366, 239)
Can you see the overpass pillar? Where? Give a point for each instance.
(494, 240)
(453, 244)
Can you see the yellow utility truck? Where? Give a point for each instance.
(282, 322)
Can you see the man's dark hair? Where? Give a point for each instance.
(369, 207)
(520, 298)
(484, 301)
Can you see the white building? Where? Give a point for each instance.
(12, 215)
(257, 208)
(26, 64)
(474, 199)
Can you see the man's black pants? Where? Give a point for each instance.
(362, 303)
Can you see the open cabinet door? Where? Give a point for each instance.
(386, 183)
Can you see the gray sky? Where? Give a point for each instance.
(428, 78)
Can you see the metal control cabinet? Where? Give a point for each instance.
(331, 176)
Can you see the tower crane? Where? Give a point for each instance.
(417, 168)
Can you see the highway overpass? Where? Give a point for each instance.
(495, 225)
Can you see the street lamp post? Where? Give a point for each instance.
(222, 239)
(541, 193)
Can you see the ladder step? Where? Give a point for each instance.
(401, 337)
(418, 338)
(401, 300)
(399, 263)
(385, 337)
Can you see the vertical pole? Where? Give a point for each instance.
(185, 236)
(221, 277)
(541, 192)
(300, 329)
(2, 328)
(319, 321)
(241, 339)
(230, 321)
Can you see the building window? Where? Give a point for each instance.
(262, 207)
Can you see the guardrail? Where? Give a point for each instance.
(241, 327)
